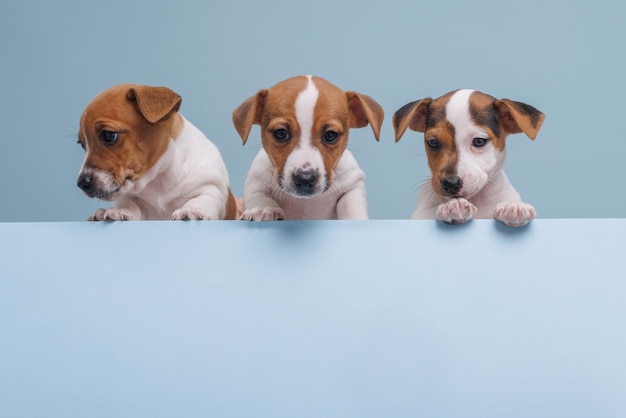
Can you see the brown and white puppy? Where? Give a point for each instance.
(148, 159)
(464, 134)
(303, 170)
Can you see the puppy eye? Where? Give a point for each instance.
(281, 135)
(81, 144)
(330, 137)
(109, 137)
(433, 144)
(479, 142)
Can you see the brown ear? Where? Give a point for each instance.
(249, 113)
(412, 115)
(155, 103)
(518, 117)
(363, 110)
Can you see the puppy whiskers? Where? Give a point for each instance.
(426, 192)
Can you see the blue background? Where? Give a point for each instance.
(565, 58)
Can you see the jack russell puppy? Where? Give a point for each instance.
(148, 159)
(464, 134)
(303, 170)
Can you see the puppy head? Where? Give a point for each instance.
(124, 131)
(464, 133)
(304, 124)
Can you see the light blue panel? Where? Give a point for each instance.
(565, 58)
(312, 319)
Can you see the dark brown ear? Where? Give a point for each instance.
(249, 113)
(518, 117)
(155, 103)
(364, 110)
(412, 115)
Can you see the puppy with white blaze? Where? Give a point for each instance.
(304, 170)
(464, 134)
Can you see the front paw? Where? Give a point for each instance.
(111, 214)
(263, 214)
(456, 211)
(514, 214)
(191, 214)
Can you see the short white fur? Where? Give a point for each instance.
(305, 156)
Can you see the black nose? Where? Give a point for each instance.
(451, 185)
(305, 181)
(85, 181)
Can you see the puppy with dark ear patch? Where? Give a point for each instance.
(148, 159)
(304, 170)
(464, 133)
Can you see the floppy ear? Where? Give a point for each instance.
(412, 115)
(155, 103)
(518, 117)
(363, 110)
(249, 113)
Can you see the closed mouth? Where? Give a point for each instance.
(106, 196)
(301, 194)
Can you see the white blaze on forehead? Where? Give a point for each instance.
(306, 156)
(457, 111)
(473, 167)
(305, 106)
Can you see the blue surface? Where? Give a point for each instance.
(312, 319)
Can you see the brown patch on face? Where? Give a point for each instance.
(139, 143)
(436, 113)
(442, 159)
(279, 113)
(504, 117)
(484, 114)
(332, 114)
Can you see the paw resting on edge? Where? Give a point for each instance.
(191, 214)
(456, 211)
(111, 214)
(514, 214)
(263, 214)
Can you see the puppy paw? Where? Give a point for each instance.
(514, 214)
(456, 211)
(97, 216)
(111, 214)
(191, 214)
(263, 214)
